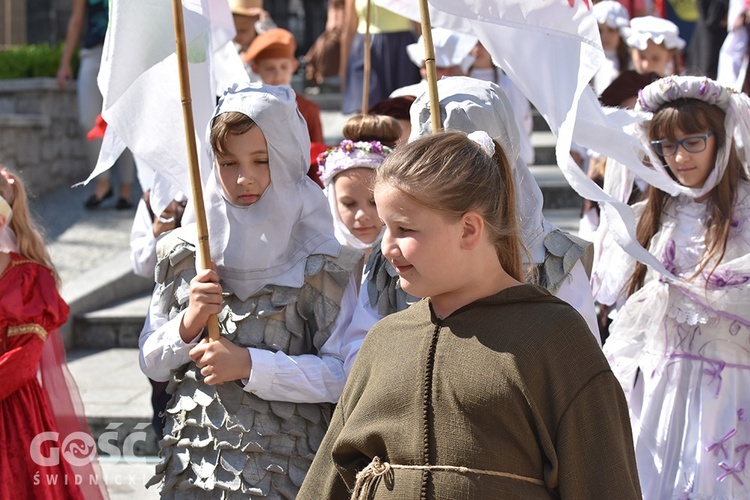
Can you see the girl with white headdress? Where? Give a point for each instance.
(347, 172)
(655, 45)
(614, 22)
(680, 343)
(248, 411)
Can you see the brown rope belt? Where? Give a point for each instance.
(367, 477)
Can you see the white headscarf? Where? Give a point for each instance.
(269, 241)
(470, 105)
(736, 122)
(346, 156)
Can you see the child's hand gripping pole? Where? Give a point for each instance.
(193, 165)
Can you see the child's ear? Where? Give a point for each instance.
(472, 228)
(295, 64)
(254, 66)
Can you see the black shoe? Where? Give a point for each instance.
(123, 204)
(94, 202)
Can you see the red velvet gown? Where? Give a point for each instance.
(30, 308)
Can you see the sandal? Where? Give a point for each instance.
(94, 202)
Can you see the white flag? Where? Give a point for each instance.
(551, 49)
(139, 81)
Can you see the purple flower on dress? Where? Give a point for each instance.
(726, 278)
(668, 258)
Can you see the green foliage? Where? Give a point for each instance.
(29, 61)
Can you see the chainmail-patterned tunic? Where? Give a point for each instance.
(221, 441)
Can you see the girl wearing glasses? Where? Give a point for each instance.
(680, 344)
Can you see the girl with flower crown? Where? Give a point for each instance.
(347, 172)
(680, 342)
(487, 387)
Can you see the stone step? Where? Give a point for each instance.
(117, 325)
(544, 147)
(117, 399)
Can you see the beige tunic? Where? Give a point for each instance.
(513, 384)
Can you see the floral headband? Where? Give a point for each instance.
(350, 154)
(671, 88)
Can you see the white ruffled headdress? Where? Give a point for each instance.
(345, 156)
(613, 14)
(658, 30)
(269, 241)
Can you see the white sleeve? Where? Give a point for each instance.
(162, 350)
(308, 378)
(364, 317)
(576, 291)
(143, 242)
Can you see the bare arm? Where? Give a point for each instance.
(73, 34)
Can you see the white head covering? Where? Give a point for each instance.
(451, 49)
(736, 123)
(658, 30)
(346, 156)
(613, 14)
(469, 105)
(269, 241)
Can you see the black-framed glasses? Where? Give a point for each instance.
(692, 144)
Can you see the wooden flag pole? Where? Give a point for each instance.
(429, 61)
(192, 152)
(366, 77)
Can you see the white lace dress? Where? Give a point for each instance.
(682, 353)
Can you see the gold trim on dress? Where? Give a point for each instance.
(26, 329)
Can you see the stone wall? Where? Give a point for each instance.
(39, 133)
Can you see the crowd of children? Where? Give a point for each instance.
(417, 328)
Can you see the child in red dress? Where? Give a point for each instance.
(47, 452)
